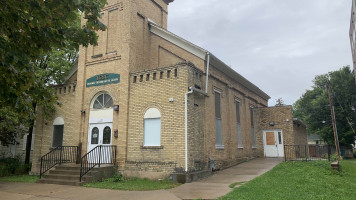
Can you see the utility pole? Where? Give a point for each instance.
(334, 121)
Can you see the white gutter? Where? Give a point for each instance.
(191, 90)
(207, 71)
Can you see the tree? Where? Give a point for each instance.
(313, 108)
(31, 32)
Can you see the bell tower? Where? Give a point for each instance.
(122, 48)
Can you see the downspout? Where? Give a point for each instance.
(186, 128)
(207, 71)
(191, 90)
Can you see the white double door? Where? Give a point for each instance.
(273, 143)
(100, 134)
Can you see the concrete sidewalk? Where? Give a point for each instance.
(209, 188)
(38, 191)
(218, 184)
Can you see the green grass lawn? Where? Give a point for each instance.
(137, 184)
(20, 178)
(301, 180)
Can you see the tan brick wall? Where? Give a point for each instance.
(44, 126)
(300, 133)
(282, 118)
(156, 93)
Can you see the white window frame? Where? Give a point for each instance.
(253, 131)
(240, 144)
(218, 146)
(152, 115)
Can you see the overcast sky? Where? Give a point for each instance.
(279, 45)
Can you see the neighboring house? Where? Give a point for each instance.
(352, 34)
(165, 103)
(16, 150)
(315, 139)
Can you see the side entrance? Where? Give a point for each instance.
(273, 143)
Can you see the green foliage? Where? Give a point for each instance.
(117, 178)
(39, 42)
(21, 178)
(313, 108)
(301, 180)
(118, 182)
(11, 166)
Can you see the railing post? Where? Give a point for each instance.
(41, 169)
(99, 154)
(81, 169)
(115, 155)
(60, 155)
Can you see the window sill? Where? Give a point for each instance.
(254, 147)
(219, 147)
(151, 147)
(240, 147)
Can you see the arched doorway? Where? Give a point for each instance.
(100, 121)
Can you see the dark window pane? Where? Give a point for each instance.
(252, 120)
(237, 112)
(107, 135)
(57, 139)
(280, 137)
(94, 135)
(217, 105)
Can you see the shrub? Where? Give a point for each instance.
(11, 166)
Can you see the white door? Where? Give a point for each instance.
(273, 143)
(100, 134)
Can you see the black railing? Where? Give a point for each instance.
(308, 152)
(102, 154)
(59, 155)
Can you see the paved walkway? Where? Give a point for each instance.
(209, 188)
(218, 184)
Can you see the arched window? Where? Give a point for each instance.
(152, 127)
(57, 132)
(103, 101)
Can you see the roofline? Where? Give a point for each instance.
(168, 1)
(201, 53)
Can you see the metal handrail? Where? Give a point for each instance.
(58, 155)
(101, 154)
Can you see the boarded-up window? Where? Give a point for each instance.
(238, 125)
(218, 123)
(270, 138)
(152, 128)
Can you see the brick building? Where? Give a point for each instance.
(168, 105)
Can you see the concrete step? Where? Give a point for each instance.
(61, 182)
(71, 168)
(67, 177)
(66, 172)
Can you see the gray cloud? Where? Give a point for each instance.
(278, 45)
